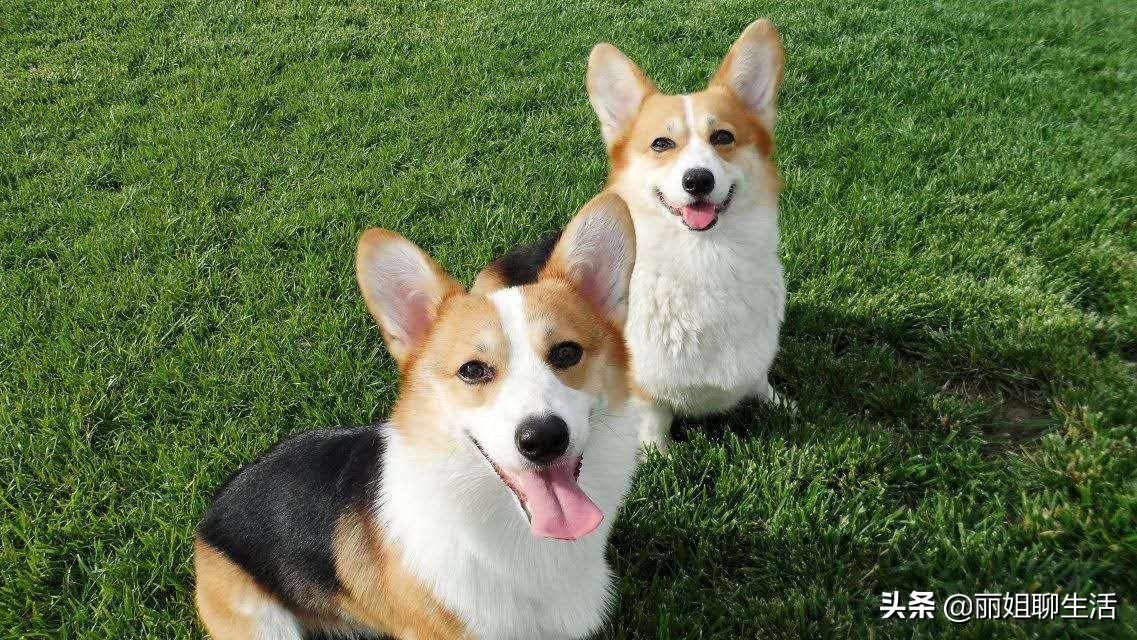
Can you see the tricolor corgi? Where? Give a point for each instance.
(707, 295)
(482, 508)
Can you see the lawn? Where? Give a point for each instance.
(182, 184)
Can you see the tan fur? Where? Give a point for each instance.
(222, 588)
(487, 282)
(658, 114)
(467, 329)
(557, 313)
(380, 593)
(377, 592)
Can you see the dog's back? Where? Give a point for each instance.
(518, 266)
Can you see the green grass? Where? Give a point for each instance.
(181, 187)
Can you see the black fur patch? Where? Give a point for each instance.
(276, 517)
(521, 265)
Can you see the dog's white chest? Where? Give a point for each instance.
(462, 537)
(505, 607)
(705, 314)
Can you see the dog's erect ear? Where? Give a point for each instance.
(596, 253)
(753, 70)
(403, 288)
(616, 89)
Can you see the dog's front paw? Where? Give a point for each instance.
(767, 392)
(781, 401)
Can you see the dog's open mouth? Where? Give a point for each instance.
(700, 215)
(549, 497)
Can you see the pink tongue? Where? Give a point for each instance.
(699, 216)
(557, 506)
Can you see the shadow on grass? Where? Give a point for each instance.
(923, 375)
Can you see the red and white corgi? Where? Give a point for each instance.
(483, 507)
(707, 295)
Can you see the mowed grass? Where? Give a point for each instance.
(182, 185)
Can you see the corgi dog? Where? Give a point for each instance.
(708, 293)
(482, 508)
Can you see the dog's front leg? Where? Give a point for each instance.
(654, 423)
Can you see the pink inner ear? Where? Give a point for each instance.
(413, 312)
(596, 280)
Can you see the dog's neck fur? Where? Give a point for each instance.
(460, 532)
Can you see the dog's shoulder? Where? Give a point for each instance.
(276, 518)
(518, 266)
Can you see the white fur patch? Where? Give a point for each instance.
(274, 622)
(697, 153)
(689, 114)
(457, 525)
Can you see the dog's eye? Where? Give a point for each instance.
(565, 354)
(475, 372)
(722, 136)
(659, 145)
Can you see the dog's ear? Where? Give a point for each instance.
(403, 288)
(616, 89)
(753, 70)
(596, 253)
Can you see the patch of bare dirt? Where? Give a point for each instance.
(1018, 416)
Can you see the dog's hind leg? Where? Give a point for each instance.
(234, 607)
(274, 622)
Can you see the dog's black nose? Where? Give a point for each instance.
(542, 438)
(698, 182)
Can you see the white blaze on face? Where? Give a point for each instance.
(697, 153)
(529, 389)
(555, 504)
